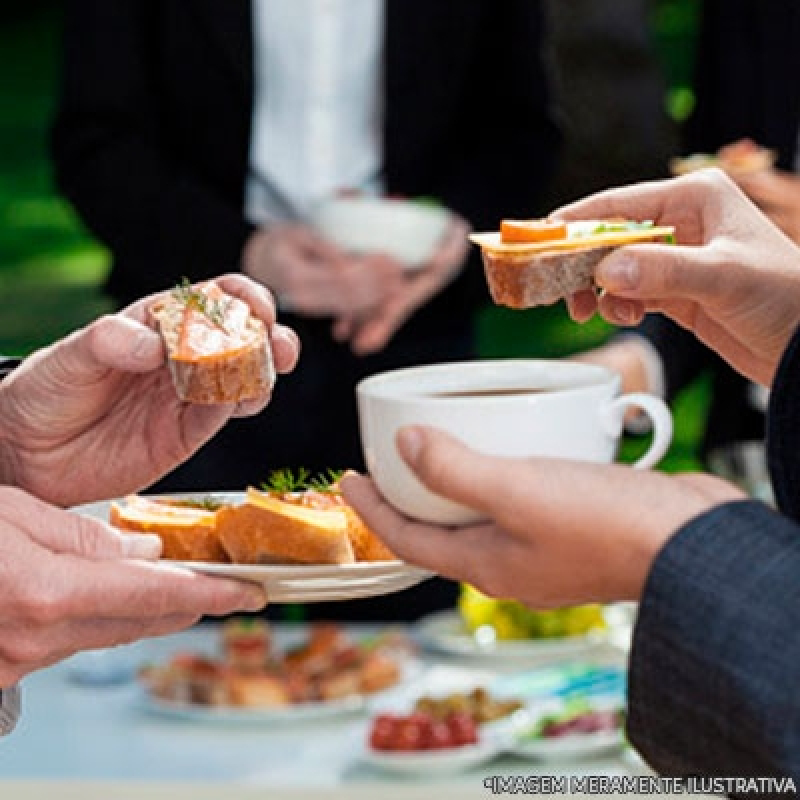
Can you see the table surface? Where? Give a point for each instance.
(75, 733)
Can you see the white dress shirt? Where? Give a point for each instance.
(317, 104)
(9, 709)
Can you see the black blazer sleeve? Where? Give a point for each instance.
(713, 668)
(117, 163)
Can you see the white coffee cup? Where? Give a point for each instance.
(514, 408)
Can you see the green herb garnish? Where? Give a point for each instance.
(197, 300)
(621, 227)
(285, 481)
(207, 503)
(324, 482)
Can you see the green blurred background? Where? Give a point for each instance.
(51, 270)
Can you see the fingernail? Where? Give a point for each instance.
(619, 273)
(255, 600)
(141, 545)
(409, 443)
(144, 345)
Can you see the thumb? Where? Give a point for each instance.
(63, 531)
(660, 271)
(113, 341)
(431, 454)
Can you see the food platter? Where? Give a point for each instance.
(444, 632)
(295, 713)
(294, 583)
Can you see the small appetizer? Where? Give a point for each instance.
(739, 158)
(188, 531)
(268, 530)
(218, 351)
(537, 262)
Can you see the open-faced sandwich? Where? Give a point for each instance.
(739, 158)
(537, 262)
(293, 519)
(218, 351)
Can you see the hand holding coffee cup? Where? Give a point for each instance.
(514, 408)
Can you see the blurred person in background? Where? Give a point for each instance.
(198, 136)
(747, 51)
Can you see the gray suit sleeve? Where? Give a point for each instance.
(713, 674)
(9, 709)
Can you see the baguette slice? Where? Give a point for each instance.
(266, 530)
(524, 275)
(218, 351)
(187, 534)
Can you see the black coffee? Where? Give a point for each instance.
(503, 392)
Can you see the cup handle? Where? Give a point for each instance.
(660, 416)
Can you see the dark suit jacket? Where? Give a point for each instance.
(714, 666)
(152, 136)
(747, 77)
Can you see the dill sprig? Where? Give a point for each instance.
(284, 481)
(326, 481)
(198, 300)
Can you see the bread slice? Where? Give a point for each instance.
(524, 275)
(267, 530)
(218, 351)
(187, 534)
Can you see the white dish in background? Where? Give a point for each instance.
(433, 762)
(295, 584)
(229, 715)
(444, 632)
(495, 738)
(407, 231)
(298, 712)
(570, 746)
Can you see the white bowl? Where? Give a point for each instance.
(407, 231)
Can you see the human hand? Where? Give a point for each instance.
(372, 332)
(625, 356)
(72, 583)
(777, 194)
(312, 276)
(96, 414)
(541, 546)
(733, 280)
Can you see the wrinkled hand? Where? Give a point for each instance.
(541, 546)
(96, 415)
(312, 276)
(777, 194)
(734, 278)
(372, 332)
(71, 583)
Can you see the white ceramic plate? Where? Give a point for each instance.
(569, 747)
(298, 584)
(433, 762)
(495, 738)
(301, 712)
(572, 746)
(444, 632)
